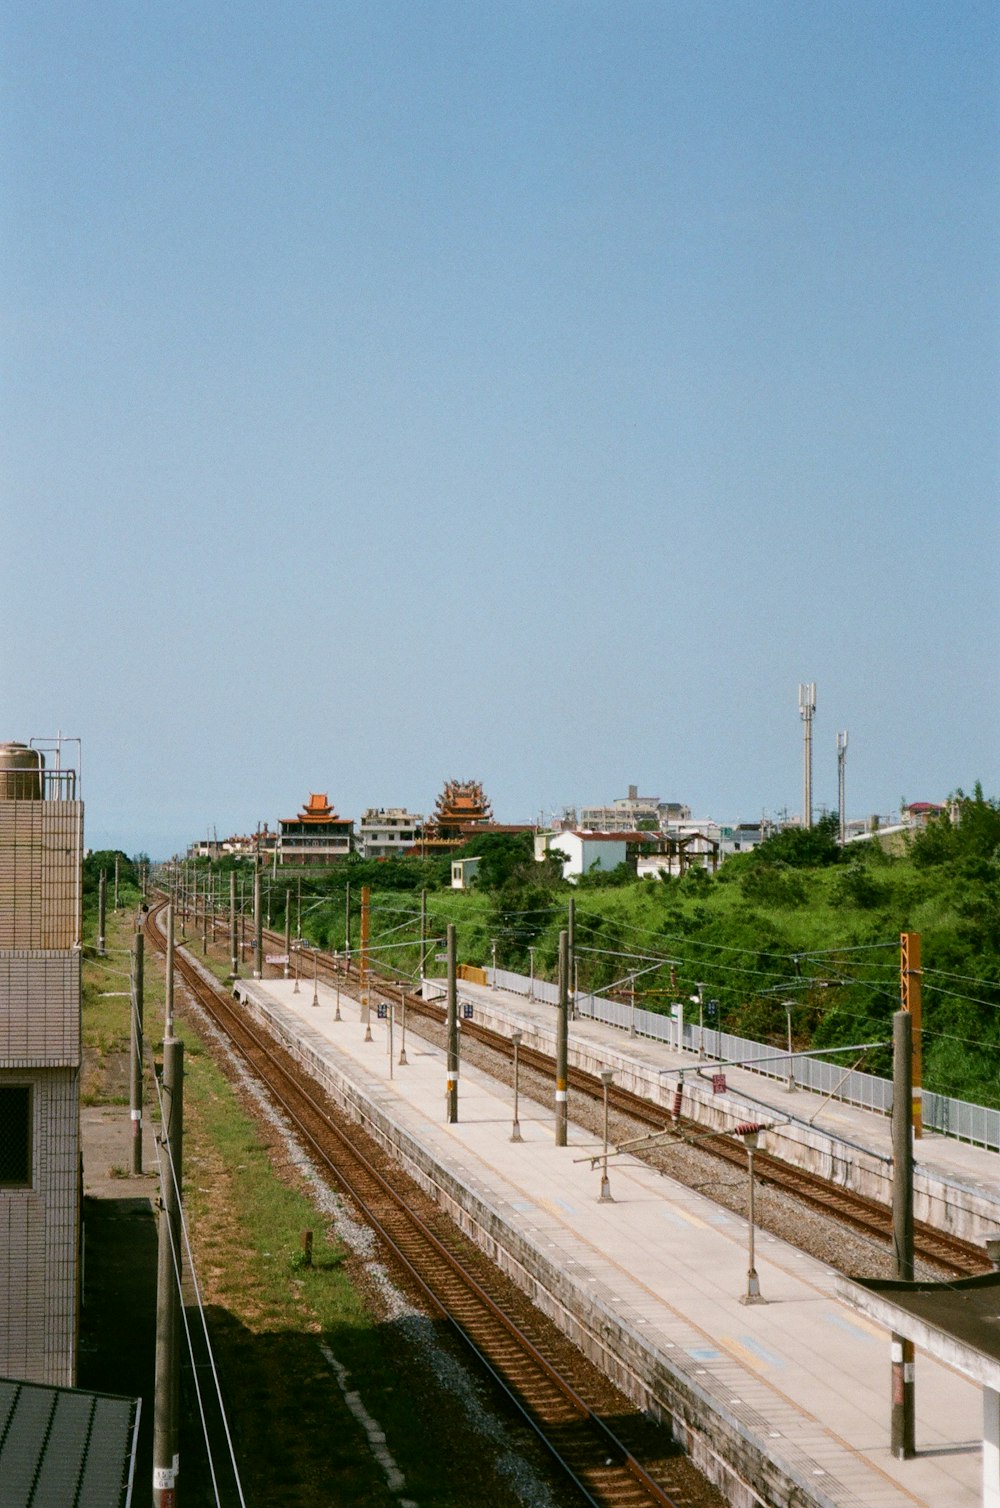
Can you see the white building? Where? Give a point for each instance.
(385, 831)
(627, 812)
(587, 852)
(463, 872)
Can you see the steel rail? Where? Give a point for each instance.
(218, 1005)
(869, 1217)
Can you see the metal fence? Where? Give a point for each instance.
(958, 1118)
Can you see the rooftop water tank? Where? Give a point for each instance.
(20, 772)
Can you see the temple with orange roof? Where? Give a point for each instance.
(316, 836)
(462, 811)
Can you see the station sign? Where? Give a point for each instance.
(276, 958)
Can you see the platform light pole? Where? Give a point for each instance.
(315, 998)
(402, 1027)
(750, 1132)
(515, 1135)
(606, 1196)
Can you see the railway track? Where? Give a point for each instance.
(868, 1217)
(453, 1277)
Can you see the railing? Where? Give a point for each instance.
(979, 1124)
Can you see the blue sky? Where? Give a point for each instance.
(533, 392)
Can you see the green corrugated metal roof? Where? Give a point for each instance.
(64, 1447)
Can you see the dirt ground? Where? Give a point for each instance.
(118, 1309)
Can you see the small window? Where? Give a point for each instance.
(15, 1136)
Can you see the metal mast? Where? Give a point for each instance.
(841, 762)
(807, 706)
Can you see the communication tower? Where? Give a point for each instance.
(807, 706)
(841, 762)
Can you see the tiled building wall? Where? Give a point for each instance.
(39, 1009)
(41, 848)
(39, 1233)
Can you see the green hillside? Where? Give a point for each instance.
(799, 920)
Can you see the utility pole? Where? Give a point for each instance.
(366, 1013)
(102, 906)
(841, 763)
(903, 1401)
(423, 934)
(117, 863)
(234, 960)
(135, 1063)
(910, 997)
(571, 955)
(807, 706)
(168, 984)
(452, 1028)
(562, 1035)
(288, 931)
(166, 1433)
(258, 926)
(347, 919)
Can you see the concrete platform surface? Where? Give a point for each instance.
(801, 1375)
(972, 1167)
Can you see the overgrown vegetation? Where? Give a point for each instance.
(798, 920)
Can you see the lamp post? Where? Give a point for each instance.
(402, 1044)
(699, 1001)
(295, 987)
(531, 976)
(606, 1196)
(315, 999)
(750, 1132)
(336, 980)
(515, 1134)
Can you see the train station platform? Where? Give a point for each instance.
(957, 1185)
(787, 1401)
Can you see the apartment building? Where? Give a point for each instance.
(41, 854)
(387, 831)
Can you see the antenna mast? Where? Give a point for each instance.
(841, 762)
(807, 706)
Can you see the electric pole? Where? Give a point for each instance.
(363, 963)
(562, 1033)
(452, 1027)
(135, 1064)
(910, 998)
(903, 1402)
